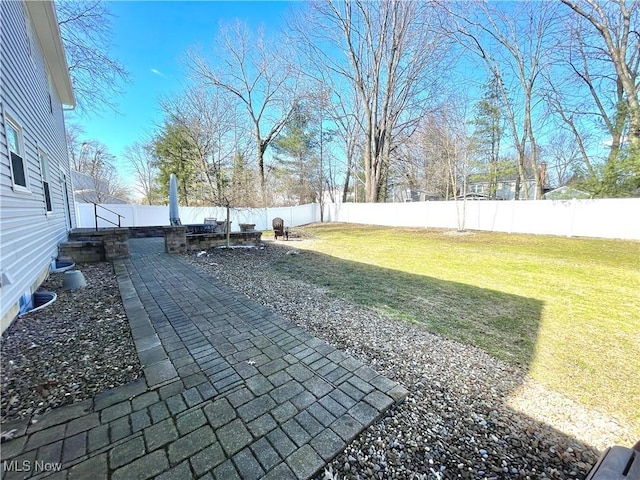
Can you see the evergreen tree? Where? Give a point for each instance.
(175, 153)
(488, 134)
(296, 156)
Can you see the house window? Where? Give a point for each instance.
(44, 172)
(15, 146)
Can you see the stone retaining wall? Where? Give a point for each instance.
(146, 232)
(82, 251)
(90, 245)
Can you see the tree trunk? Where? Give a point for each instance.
(345, 189)
(617, 43)
(634, 127)
(260, 152)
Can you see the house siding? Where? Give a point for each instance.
(29, 236)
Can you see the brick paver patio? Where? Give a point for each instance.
(230, 390)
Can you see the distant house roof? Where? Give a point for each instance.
(479, 178)
(45, 25)
(84, 188)
(473, 196)
(565, 193)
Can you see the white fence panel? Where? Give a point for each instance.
(146, 215)
(196, 215)
(605, 218)
(134, 215)
(610, 217)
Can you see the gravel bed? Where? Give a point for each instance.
(467, 415)
(69, 351)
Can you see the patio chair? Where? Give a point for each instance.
(210, 224)
(279, 228)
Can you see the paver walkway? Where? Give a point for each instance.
(230, 390)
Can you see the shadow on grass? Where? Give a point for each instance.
(502, 324)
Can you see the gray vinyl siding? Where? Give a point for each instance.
(29, 236)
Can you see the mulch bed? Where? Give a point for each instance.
(69, 351)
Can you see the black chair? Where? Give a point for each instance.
(279, 229)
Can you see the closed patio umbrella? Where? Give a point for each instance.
(174, 216)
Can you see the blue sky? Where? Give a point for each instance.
(149, 39)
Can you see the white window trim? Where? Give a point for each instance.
(42, 154)
(9, 120)
(49, 98)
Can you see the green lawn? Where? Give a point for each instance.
(567, 309)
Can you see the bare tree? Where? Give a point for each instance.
(574, 116)
(388, 53)
(564, 158)
(97, 165)
(514, 43)
(258, 75)
(74, 135)
(339, 104)
(452, 143)
(210, 123)
(85, 27)
(343, 113)
(616, 23)
(436, 158)
(422, 165)
(140, 157)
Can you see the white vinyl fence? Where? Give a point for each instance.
(146, 216)
(605, 218)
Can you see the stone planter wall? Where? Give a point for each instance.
(197, 242)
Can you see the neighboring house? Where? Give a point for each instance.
(413, 195)
(36, 199)
(565, 193)
(505, 188)
(90, 190)
(506, 185)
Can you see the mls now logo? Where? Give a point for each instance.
(28, 466)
